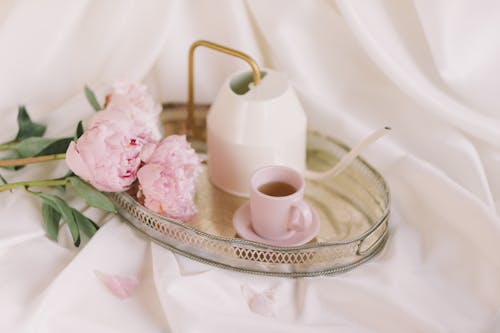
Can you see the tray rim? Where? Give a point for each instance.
(375, 251)
(365, 255)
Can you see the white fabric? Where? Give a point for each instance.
(427, 68)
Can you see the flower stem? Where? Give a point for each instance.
(31, 160)
(50, 182)
(8, 145)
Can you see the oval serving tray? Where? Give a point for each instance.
(354, 209)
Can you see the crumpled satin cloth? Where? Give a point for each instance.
(428, 69)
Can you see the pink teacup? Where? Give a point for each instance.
(277, 206)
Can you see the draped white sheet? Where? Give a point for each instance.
(427, 68)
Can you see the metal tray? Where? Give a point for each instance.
(354, 208)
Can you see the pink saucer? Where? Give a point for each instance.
(243, 226)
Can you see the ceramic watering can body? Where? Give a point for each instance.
(249, 127)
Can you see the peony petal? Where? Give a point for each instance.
(120, 286)
(149, 176)
(260, 303)
(109, 152)
(147, 151)
(76, 163)
(167, 191)
(168, 180)
(176, 152)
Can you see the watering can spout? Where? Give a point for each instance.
(348, 158)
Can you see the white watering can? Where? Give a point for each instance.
(257, 120)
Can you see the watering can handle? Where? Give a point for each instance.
(220, 48)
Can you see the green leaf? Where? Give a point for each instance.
(59, 146)
(32, 146)
(92, 99)
(51, 217)
(92, 196)
(42, 146)
(27, 128)
(66, 211)
(79, 130)
(88, 227)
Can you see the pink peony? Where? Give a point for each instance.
(175, 151)
(106, 157)
(109, 152)
(130, 103)
(167, 181)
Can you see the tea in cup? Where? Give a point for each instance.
(277, 206)
(276, 213)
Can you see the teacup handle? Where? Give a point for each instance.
(304, 220)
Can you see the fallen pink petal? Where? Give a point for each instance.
(121, 286)
(261, 303)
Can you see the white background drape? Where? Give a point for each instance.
(430, 69)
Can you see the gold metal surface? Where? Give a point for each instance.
(354, 208)
(191, 129)
(341, 201)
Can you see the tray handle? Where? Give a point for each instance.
(361, 251)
